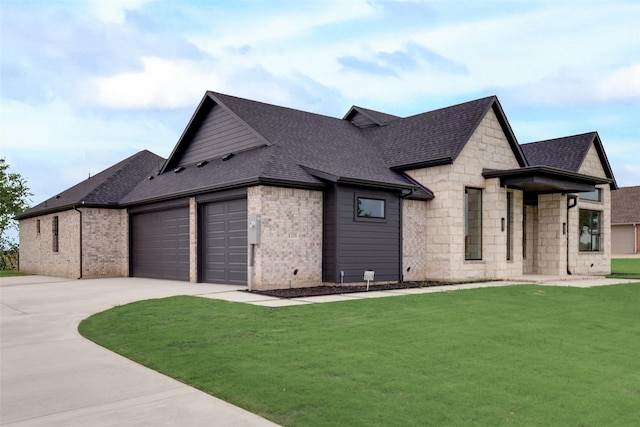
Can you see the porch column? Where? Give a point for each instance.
(552, 238)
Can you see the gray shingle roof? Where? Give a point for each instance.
(105, 189)
(625, 205)
(435, 137)
(563, 153)
(567, 153)
(306, 149)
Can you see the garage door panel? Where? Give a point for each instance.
(160, 244)
(224, 237)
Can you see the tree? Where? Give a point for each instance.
(14, 198)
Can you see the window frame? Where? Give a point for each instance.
(476, 255)
(589, 230)
(356, 213)
(55, 230)
(584, 195)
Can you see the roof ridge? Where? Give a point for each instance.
(561, 137)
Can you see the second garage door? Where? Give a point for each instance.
(223, 237)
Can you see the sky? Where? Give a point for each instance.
(85, 84)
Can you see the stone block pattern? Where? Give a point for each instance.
(105, 248)
(445, 227)
(290, 251)
(36, 249)
(587, 263)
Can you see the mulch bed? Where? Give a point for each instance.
(344, 289)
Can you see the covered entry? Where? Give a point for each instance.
(160, 243)
(223, 241)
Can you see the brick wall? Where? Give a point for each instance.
(105, 248)
(290, 250)
(414, 240)
(36, 248)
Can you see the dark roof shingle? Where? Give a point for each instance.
(625, 205)
(105, 189)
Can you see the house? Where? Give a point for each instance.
(625, 220)
(272, 197)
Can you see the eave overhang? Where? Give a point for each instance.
(411, 189)
(543, 179)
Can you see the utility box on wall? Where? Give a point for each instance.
(253, 229)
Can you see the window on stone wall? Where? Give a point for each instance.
(55, 234)
(38, 226)
(589, 230)
(473, 224)
(594, 196)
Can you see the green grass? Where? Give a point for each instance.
(520, 355)
(9, 273)
(625, 268)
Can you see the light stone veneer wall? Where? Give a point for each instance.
(105, 247)
(487, 148)
(36, 249)
(591, 262)
(291, 237)
(415, 247)
(551, 245)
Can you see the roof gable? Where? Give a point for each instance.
(437, 137)
(568, 153)
(364, 118)
(214, 131)
(105, 189)
(625, 205)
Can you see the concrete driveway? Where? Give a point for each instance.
(52, 376)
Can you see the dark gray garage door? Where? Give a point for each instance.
(223, 237)
(160, 244)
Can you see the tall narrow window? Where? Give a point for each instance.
(38, 226)
(509, 226)
(55, 233)
(473, 224)
(589, 224)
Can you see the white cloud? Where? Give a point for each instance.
(160, 84)
(114, 11)
(621, 85)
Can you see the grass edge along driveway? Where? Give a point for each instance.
(520, 355)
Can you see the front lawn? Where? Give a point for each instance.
(625, 268)
(520, 355)
(10, 273)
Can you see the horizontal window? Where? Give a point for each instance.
(594, 196)
(370, 208)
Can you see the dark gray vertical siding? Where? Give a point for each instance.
(160, 244)
(219, 133)
(360, 244)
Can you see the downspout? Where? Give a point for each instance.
(569, 206)
(75, 208)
